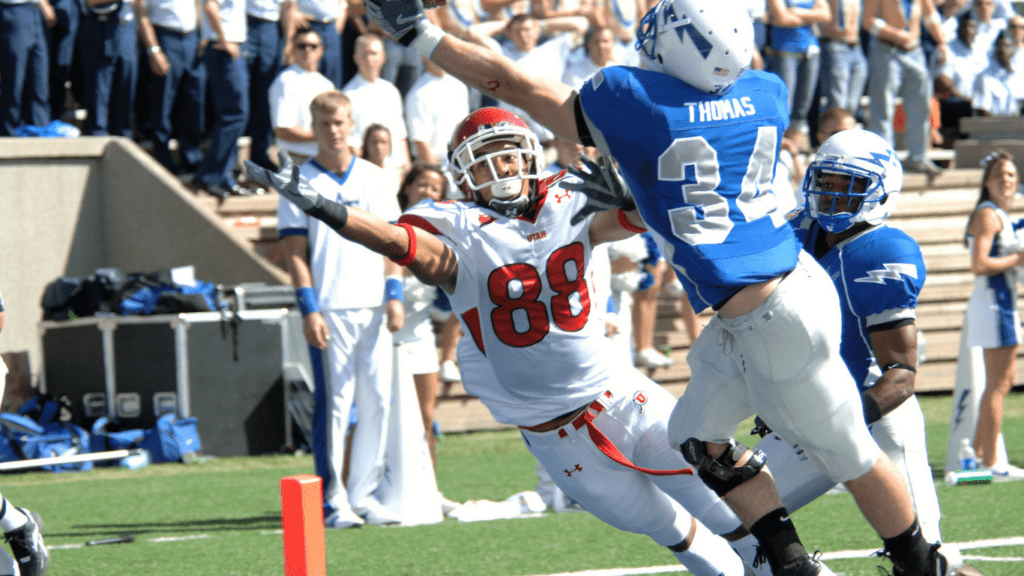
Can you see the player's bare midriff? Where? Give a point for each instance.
(749, 297)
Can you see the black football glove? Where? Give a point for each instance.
(604, 187)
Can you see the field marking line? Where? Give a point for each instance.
(837, 555)
(179, 538)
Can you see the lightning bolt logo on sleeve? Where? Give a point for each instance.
(889, 272)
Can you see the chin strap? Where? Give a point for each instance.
(510, 208)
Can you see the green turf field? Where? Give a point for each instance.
(222, 518)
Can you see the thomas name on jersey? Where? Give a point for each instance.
(724, 109)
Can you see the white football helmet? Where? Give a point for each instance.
(705, 43)
(876, 177)
(485, 126)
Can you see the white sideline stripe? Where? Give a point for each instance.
(178, 538)
(838, 555)
(994, 558)
(159, 539)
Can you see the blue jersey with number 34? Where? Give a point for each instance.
(700, 167)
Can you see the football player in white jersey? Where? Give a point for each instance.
(696, 135)
(514, 263)
(851, 187)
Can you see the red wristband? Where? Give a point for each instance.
(625, 223)
(410, 255)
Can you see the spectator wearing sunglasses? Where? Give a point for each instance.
(290, 95)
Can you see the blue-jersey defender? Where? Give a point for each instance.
(879, 274)
(851, 187)
(701, 172)
(703, 188)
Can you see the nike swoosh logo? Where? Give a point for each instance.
(405, 19)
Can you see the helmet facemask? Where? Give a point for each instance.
(839, 196)
(522, 150)
(855, 177)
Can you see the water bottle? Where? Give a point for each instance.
(961, 477)
(968, 459)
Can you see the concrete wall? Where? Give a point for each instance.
(69, 206)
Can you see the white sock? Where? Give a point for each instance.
(12, 518)
(749, 550)
(8, 565)
(710, 555)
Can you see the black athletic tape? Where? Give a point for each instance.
(332, 213)
(872, 411)
(583, 131)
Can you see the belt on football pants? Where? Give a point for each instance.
(585, 417)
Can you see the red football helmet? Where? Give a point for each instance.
(485, 126)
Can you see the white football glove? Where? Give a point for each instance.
(288, 182)
(604, 187)
(399, 18)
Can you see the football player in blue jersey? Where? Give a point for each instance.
(696, 136)
(851, 187)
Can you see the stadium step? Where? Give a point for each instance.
(935, 214)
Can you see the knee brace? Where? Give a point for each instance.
(721, 474)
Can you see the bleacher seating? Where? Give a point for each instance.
(935, 215)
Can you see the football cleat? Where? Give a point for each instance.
(376, 514)
(343, 519)
(935, 565)
(27, 545)
(806, 566)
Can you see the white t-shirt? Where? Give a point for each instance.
(232, 22)
(962, 66)
(264, 9)
(290, 95)
(376, 103)
(1016, 80)
(177, 15)
(345, 274)
(992, 92)
(433, 108)
(986, 36)
(320, 10)
(545, 61)
(579, 68)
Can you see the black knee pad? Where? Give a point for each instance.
(721, 474)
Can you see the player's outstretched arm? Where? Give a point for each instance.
(426, 256)
(547, 101)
